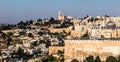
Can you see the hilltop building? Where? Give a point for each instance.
(61, 16)
(104, 33)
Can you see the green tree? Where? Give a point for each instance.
(86, 34)
(44, 59)
(31, 22)
(37, 24)
(3, 35)
(60, 53)
(22, 25)
(48, 43)
(20, 53)
(107, 16)
(96, 19)
(118, 58)
(91, 19)
(52, 20)
(38, 52)
(0, 52)
(74, 60)
(19, 41)
(40, 33)
(9, 41)
(111, 59)
(97, 59)
(22, 33)
(34, 44)
(30, 35)
(9, 34)
(46, 24)
(39, 20)
(49, 58)
(90, 58)
(69, 33)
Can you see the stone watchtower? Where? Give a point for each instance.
(61, 16)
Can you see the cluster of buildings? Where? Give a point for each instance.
(98, 35)
(104, 38)
(34, 45)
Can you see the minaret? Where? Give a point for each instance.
(59, 13)
(60, 16)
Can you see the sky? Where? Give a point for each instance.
(13, 11)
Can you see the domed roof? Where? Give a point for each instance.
(110, 25)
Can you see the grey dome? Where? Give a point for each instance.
(110, 25)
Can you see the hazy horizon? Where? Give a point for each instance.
(13, 11)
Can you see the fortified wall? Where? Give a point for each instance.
(77, 33)
(54, 49)
(74, 33)
(80, 49)
(53, 30)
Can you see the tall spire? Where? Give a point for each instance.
(59, 13)
(60, 16)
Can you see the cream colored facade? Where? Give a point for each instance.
(101, 27)
(54, 49)
(80, 49)
(108, 28)
(79, 30)
(116, 20)
(105, 33)
(102, 21)
(53, 30)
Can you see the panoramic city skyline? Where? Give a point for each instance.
(14, 11)
(59, 31)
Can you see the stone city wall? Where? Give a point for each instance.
(53, 30)
(54, 49)
(80, 49)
